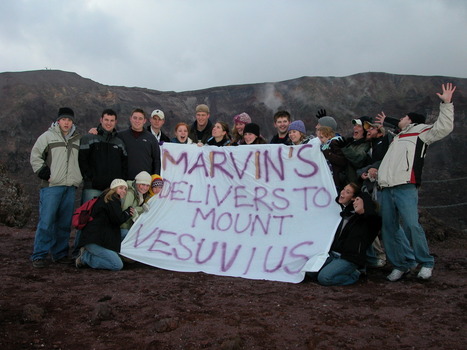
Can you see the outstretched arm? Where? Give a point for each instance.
(446, 96)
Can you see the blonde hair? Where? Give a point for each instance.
(327, 131)
(109, 194)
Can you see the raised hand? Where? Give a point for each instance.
(321, 113)
(380, 118)
(446, 96)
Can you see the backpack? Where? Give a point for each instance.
(82, 215)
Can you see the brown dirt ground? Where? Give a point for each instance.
(141, 307)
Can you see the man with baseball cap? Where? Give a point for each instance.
(157, 121)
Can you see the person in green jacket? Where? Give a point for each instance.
(138, 192)
(54, 159)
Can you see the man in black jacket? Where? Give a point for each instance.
(142, 147)
(102, 158)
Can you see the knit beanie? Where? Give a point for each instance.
(252, 128)
(117, 183)
(299, 126)
(328, 121)
(143, 178)
(242, 118)
(416, 118)
(157, 181)
(202, 108)
(66, 112)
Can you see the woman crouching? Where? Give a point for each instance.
(100, 238)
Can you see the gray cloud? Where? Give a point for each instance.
(185, 45)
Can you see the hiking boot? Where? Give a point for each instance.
(396, 275)
(39, 263)
(78, 261)
(425, 273)
(65, 260)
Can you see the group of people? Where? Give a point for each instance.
(376, 172)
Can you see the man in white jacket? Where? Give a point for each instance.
(399, 177)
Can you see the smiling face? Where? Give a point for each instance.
(121, 191)
(137, 121)
(181, 133)
(346, 196)
(108, 122)
(322, 138)
(240, 127)
(142, 188)
(202, 119)
(372, 132)
(358, 206)
(282, 124)
(249, 138)
(295, 136)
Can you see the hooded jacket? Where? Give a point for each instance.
(403, 162)
(54, 158)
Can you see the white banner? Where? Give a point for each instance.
(252, 211)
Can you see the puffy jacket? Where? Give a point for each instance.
(54, 158)
(132, 199)
(403, 162)
(102, 158)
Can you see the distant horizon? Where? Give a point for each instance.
(218, 86)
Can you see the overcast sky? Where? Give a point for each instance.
(196, 44)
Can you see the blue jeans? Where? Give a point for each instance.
(123, 233)
(403, 237)
(338, 272)
(56, 205)
(99, 257)
(88, 193)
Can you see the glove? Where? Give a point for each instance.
(145, 207)
(44, 173)
(321, 113)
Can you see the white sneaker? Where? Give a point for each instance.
(396, 275)
(425, 273)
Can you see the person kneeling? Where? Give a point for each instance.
(356, 232)
(100, 239)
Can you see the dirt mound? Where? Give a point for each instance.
(140, 307)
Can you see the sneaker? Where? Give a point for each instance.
(78, 261)
(396, 275)
(38, 263)
(425, 273)
(65, 260)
